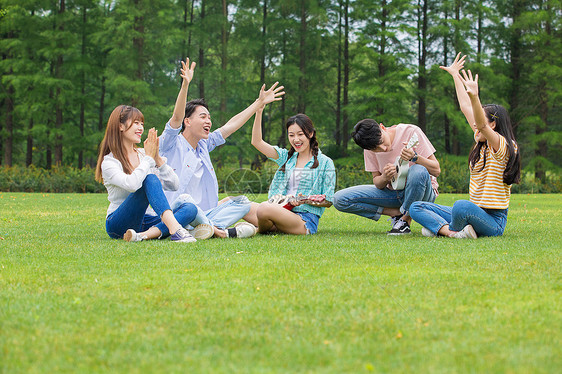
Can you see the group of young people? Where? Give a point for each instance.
(169, 187)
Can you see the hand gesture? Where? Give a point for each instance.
(151, 144)
(407, 153)
(456, 66)
(187, 71)
(273, 94)
(471, 84)
(389, 171)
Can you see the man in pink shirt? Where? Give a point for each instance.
(382, 145)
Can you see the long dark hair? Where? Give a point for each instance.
(306, 125)
(113, 138)
(512, 172)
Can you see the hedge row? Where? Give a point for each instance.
(453, 179)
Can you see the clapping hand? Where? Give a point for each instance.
(151, 144)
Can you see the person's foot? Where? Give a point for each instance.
(466, 233)
(426, 232)
(399, 227)
(202, 231)
(132, 236)
(182, 236)
(245, 230)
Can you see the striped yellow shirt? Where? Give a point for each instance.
(487, 189)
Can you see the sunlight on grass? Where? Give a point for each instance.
(349, 299)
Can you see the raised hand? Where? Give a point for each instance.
(456, 66)
(187, 71)
(273, 94)
(471, 84)
(151, 144)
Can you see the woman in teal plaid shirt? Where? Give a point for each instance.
(303, 170)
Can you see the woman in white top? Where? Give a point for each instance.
(135, 178)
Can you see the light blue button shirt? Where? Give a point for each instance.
(185, 160)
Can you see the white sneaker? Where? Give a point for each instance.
(466, 233)
(245, 230)
(202, 231)
(426, 232)
(182, 236)
(133, 236)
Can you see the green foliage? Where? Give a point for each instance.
(57, 179)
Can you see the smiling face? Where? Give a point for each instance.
(298, 139)
(198, 125)
(132, 132)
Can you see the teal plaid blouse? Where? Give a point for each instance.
(317, 181)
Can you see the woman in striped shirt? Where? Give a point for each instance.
(494, 162)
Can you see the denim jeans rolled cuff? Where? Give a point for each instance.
(131, 213)
(418, 187)
(367, 200)
(228, 213)
(200, 217)
(430, 215)
(486, 222)
(184, 213)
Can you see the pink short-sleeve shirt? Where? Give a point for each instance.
(375, 161)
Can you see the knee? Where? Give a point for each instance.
(151, 180)
(461, 206)
(418, 173)
(340, 200)
(265, 210)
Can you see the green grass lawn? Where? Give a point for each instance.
(349, 299)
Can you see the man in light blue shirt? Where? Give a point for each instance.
(187, 141)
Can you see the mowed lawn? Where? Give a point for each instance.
(347, 300)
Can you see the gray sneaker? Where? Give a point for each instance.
(426, 232)
(133, 236)
(182, 236)
(245, 230)
(466, 233)
(202, 231)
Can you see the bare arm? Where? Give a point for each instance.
(179, 108)
(266, 97)
(257, 138)
(462, 96)
(480, 120)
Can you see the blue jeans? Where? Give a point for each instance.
(486, 222)
(131, 213)
(221, 216)
(368, 201)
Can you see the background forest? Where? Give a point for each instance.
(67, 63)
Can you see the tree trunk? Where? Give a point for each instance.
(58, 93)
(9, 126)
(224, 61)
(338, 134)
(29, 144)
(201, 62)
(422, 54)
(301, 105)
(82, 89)
(346, 78)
